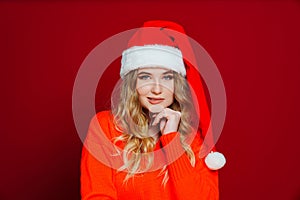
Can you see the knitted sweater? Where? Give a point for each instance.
(100, 178)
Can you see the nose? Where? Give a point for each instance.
(156, 88)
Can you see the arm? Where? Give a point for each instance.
(190, 182)
(96, 178)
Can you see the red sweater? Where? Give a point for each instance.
(100, 181)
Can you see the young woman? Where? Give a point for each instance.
(154, 133)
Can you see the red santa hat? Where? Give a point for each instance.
(165, 44)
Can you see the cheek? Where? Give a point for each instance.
(143, 90)
(168, 86)
(169, 89)
(170, 96)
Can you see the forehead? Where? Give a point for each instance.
(154, 70)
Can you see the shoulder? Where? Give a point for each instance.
(105, 115)
(104, 123)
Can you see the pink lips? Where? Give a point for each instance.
(154, 100)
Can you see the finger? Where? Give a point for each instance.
(168, 114)
(152, 117)
(162, 125)
(159, 116)
(153, 111)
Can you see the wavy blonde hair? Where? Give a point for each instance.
(131, 119)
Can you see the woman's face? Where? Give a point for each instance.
(155, 86)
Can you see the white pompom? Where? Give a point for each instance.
(215, 160)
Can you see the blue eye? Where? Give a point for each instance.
(168, 77)
(144, 77)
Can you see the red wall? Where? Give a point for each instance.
(256, 46)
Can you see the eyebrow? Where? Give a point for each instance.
(144, 73)
(167, 72)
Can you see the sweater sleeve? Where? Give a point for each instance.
(190, 182)
(97, 177)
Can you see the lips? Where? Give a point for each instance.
(155, 100)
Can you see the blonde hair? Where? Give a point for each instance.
(131, 119)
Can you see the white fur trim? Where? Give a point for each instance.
(152, 56)
(215, 160)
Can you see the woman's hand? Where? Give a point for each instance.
(168, 120)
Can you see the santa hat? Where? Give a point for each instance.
(165, 44)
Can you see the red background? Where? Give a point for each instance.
(255, 45)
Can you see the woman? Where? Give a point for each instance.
(153, 128)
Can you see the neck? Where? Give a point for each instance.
(154, 132)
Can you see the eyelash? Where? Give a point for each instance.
(168, 77)
(146, 77)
